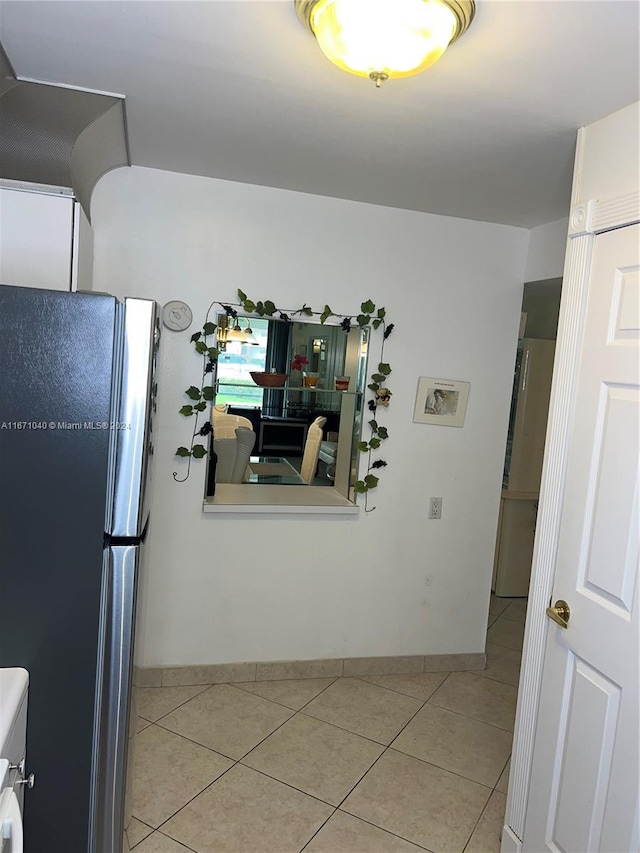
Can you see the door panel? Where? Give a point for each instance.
(584, 783)
(593, 703)
(609, 572)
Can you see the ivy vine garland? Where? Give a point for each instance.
(200, 396)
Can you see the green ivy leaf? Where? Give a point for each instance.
(200, 407)
(363, 446)
(213, 353)
(374, 443)
(209, 328)
(373, 386)
(326, 314)
(193, 393)
(249, 306)
(308, 312)
(378, 377)
(360, 487)
(242, 296)
(183, 451)
(186, 411)
(382, 313)
(196, 337)
(370, 480)
(384, 368)
(259, 309)
(374, 425)
(198, 451)
(208, 393)
(363, 320)
(201, 347)
(376, 323)
(383, 432)
(269, 308)
(367, 307)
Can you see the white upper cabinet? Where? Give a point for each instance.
(45, 241)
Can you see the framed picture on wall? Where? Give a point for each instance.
(442, 402)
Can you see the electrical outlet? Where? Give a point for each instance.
(435, 508)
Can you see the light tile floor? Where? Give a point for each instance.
(386, 764)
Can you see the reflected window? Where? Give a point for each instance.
(235, 363)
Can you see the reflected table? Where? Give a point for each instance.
(273, 469)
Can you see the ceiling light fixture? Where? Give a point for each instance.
(383, 39)
(236, 334)
(251, 338)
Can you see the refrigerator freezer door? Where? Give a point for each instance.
(120, 585)
(134, 428)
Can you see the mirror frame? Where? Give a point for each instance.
(371, 318)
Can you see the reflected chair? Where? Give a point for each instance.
(312, 451)
(328, 454)
(233, 441)
(233, 455)
(225, 425)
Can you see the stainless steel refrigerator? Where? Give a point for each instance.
(77, 396)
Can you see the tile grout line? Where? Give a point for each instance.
(445, 673)
(196, 743)
(162, 716)
(308, 842)
(468, 716)
(502, 646)
(368, 822)
(493, 678)
(164, 835)
(445, 769)
(281, 704)
(500, 776)
(384, 751)
(206, 787)
(152, 830)
(466, 844)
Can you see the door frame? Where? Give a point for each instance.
(587, 219)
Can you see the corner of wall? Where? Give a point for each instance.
(547, 247)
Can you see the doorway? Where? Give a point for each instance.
(526, 438)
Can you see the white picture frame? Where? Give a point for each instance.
(441, 402)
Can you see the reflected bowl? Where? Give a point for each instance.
(269, 380)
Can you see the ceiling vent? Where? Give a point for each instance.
(59, 137)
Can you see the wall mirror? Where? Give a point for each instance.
(307, 371)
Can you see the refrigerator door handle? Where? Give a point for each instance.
(123, 565)
(134, 427)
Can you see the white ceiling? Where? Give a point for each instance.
(239, 90)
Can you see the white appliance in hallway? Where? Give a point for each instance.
(14, 688)
(522, 467)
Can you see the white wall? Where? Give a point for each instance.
(224, 589)
(601, 174)
(547, 247)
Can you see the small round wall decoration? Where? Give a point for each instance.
(177, 315)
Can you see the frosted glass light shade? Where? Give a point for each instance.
(385, 38)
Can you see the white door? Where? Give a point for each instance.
(584, 784)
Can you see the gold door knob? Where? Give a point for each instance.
(560, 613)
